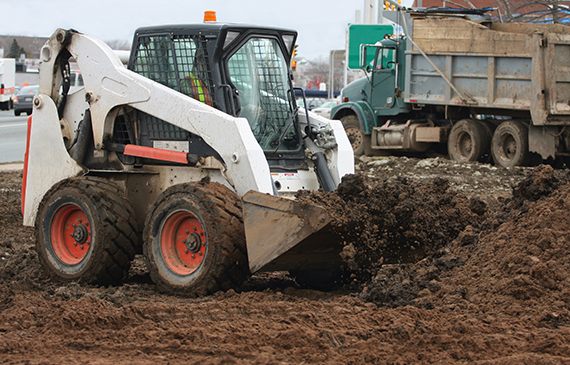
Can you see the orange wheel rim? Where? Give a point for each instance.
(183, 242)
(70, 234)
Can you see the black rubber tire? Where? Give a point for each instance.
(469, 141)
(323, 279)
(17, 112)
(111, 231)
(355, 135)
(509, 145)
(222, 263)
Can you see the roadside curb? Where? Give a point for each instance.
(11, 167)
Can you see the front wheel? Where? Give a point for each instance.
(509, 145)
(355, 135)
(194, 240)
(85, 231)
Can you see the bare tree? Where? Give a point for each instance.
(317, 71)
(310, 74)
(535, 11)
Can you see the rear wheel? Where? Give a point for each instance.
(355, 135)
(17, 112)
(509, 145)
(469, 141)
(195, 241)
(85, 231)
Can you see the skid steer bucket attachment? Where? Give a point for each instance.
(283, 234)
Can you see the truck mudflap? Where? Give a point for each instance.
(283, 234)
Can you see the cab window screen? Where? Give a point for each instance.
(259, 71)
(180, 62)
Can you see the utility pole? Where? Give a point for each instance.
(331, 75)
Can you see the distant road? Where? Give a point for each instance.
(12, 136)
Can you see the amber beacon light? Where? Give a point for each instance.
(209, 16)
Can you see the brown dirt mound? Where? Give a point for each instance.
(513, 263)
(395, 221)
(496, 294)
(18, 260)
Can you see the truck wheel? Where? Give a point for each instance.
(355, 135)
(509, 145)
(468, 141)
(194, 240)
(85, 231)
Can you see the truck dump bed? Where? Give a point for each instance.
(499, 66)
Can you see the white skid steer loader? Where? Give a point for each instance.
(191, 155)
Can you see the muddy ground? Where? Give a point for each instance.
(443, 263)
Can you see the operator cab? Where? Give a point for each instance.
(241, 70)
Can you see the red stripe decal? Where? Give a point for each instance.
(156, 153)
(26, 156)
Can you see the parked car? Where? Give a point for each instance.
(311, 102)
(325, 109)
(23, 101)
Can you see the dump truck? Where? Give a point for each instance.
(459, 83)
(190, 156)
(7, 82)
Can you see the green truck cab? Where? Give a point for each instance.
(370, 101)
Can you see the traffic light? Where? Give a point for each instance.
(388, 6)
(293, 62)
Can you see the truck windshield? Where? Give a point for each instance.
(386, 58)
(259, 71)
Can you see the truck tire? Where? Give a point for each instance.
(355, 135)
(85, 231)
(509, 145)
(194, 240)
(469, 141)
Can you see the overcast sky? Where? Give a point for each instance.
(321, 24)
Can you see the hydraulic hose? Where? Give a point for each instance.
(83, 138)
(323, 173)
